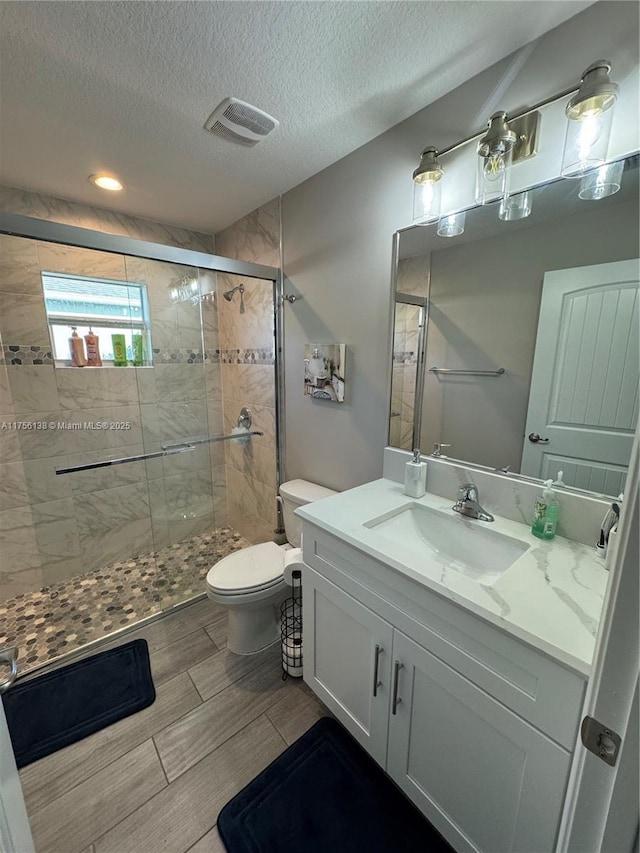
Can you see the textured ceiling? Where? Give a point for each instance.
(127, 86)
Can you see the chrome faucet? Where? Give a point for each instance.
(469, 505)
(437, 449)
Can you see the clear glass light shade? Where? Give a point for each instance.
(494, 172)
(586, 142)
(452, 225)
(515, 207)
(426, 201)
(601, 182)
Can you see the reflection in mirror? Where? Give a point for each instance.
(406, 391)
(550, 298)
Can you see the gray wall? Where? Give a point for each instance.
(485, 299)
(337, 238)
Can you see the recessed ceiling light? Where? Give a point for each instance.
(106, 182)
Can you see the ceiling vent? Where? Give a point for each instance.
(239, 122)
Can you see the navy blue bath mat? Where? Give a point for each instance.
(324, 794)
(54, 710)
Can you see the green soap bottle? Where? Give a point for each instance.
(138, 352)
(119, 350)
(545, 513)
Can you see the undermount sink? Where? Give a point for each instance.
(451, 541)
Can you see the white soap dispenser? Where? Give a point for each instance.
(415, 476)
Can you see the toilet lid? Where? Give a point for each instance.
(257, 567)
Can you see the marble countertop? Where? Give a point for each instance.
(551, 597)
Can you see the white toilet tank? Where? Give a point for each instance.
(297, 493)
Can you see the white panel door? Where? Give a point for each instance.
(488, 781)
(347, 653)
(15, 832)
(584, 388)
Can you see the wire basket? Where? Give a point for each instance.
(291, 629)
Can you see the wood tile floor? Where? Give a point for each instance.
(157, 780)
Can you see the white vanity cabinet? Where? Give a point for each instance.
(350, 648)
(442, 711)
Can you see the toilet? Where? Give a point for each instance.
(250, 583)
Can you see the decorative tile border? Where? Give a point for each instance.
(180, 355)
(23, 354)
(246, 356)
(405, 357)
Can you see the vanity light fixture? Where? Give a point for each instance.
(589, 115)
(513, 138)
(515, 207)
(451, 225)
(495, 152)
(427, 188)
(106, 182)
(601, 182)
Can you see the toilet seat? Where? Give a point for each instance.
(254, 569)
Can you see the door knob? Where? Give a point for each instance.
(534, 438)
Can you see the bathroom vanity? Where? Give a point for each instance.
(456, 652)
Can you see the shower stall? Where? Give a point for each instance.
(122, 482)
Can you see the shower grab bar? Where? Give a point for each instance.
(453, 372)
(168, 450)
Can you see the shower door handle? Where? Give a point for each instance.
(9, 655)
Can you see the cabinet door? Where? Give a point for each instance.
(487, 780)
(345, 647)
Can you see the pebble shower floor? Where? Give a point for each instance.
(57, 619)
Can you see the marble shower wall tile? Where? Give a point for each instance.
(213, 384)
(83, 262)
(87, 440)
(6, 398)
(252, 383)
(99, 512)
(19, 544)
(251, 507)
(23, 320)
(118, 543)
(250, 493)
(14, 582)
(33, 388)
(31, 444)
(254, 460)
(254, 326)
(220, 508)
(255, 237)
(89, 388)
(175, 383)
(54, 521)
(19, 269)
(40, 206)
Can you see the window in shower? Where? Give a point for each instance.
(106, 307)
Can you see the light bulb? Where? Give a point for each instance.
(494, 167)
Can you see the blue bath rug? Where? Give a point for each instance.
(55, 710)
(324, 794)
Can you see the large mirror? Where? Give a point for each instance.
(529, 361)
